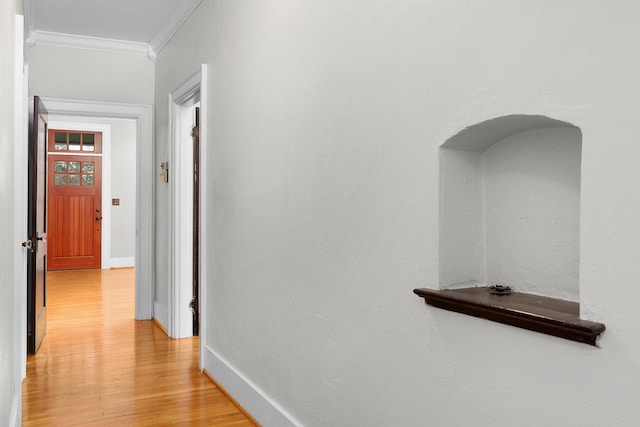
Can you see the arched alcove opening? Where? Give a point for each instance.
(510, 206)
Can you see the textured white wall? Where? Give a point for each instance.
(10, 392)
(532, 212)
(123, 187)
(88, 75)
(325, 121)
(461, 219)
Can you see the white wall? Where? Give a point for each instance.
(462, 237)
(123, 187)
(10, 390)
(325, 121)
(123, 184)
(532, 212)
(88, 75)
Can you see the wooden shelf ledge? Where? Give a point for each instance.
(537, 313)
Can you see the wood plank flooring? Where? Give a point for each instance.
(99, 367)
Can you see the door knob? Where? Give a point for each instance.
(98, 218)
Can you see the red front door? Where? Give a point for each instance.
(74, 203)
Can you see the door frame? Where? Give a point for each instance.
(145, 184)
(105, 129)
(181, 102)
(21, 160)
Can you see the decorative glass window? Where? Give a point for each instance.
(73, 173)
(75, 141)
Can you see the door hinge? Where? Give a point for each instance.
(193, 305)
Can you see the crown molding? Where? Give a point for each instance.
(150, 50)
(173, 24)
(85, 42)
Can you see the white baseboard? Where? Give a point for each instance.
(262, 408)
(122, 262)
(15, 419)
(161, 314)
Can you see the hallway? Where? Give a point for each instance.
(98, 366)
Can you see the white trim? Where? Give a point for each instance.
(122, 262)
(204, 185)
(181, 101)
(20, 234)
(15, 417)
(161, 314)
(21, 222)
(173, 24)
(145, 184)
(188, 88)
(86, 42)
(105, 129)
(267, 412)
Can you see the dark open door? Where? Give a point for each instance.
(196, 225)
(37, 237)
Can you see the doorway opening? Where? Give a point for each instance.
(185, 209)
(118, 202)
(187, 188)
(144, 184)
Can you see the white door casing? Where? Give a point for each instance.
(145, 184)
(181, 105)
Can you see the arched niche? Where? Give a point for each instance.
(510, 206)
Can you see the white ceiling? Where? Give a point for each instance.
(135, 22)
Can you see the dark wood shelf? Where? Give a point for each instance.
(537, 313)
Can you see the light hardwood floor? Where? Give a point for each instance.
(99, 367)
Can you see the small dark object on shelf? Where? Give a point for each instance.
(500, 289)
